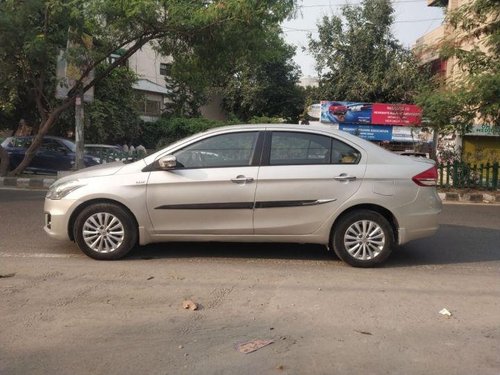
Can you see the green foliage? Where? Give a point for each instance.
(358, 58)
(205, 38)
(267, 87)
(265, 120)
(443, 109)
(168, 130)
(476, 24)
(456, 103)
(113, 116)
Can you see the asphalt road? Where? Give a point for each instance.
(63, 313)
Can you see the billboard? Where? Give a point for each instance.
(334, 112)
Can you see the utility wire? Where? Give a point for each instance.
(291, 29)
(343, 4)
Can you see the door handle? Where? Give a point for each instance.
(344, 177)
(240, 179)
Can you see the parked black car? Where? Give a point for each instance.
(55, 154)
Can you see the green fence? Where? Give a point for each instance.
(467, 175)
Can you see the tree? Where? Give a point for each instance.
(267, 87)
(113, 115)
(471, 93)
(196, 33)
(474, 45)
(358, 58)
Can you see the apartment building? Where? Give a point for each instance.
(482, 142)
(151, 68)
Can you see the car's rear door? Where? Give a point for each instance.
(213, 189)
(303, 179)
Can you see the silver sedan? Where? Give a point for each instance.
(252, 183)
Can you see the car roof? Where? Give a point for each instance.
(32, 136)
(100, 145)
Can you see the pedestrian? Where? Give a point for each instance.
(141, 151)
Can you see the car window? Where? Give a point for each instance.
(288, 148)
(20, 142)
(52, 145)
(226, 150)
(295, 148)
(343, 153)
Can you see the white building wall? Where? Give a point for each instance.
(146, 64)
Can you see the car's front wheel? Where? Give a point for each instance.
(363, 238)
(105, 231)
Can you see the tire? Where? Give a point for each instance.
(363, 238)
(110, 230)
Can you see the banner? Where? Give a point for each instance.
(369, 132)
(333, 112)
(396, 114)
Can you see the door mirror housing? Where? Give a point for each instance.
(167, 163)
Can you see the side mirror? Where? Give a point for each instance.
(167, 162)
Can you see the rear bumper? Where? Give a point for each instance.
(420, 219)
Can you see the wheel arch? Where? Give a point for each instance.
(387, 214)
(81, 207)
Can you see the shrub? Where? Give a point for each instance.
(165, 131)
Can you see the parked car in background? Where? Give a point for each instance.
(109, 153)
(55, 154)
(252, 183)
(106, 153)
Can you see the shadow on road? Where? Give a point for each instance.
(452, 244)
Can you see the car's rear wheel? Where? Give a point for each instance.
(105, 231)
(363, 238)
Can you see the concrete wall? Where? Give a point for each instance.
(477, 149)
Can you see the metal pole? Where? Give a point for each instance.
(79, 138)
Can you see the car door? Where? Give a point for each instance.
(303, 179)
(212, 189)
(52, 156)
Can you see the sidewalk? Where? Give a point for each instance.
(466, 196)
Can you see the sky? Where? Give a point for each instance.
(413, 18)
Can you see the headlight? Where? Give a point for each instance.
(59, 191)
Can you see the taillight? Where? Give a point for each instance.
(427, 178)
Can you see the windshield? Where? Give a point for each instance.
(69, 145)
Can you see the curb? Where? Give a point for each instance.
(459, 197)
(27, 183)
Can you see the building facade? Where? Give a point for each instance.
(151, 67)
(481, 144)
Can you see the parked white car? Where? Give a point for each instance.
(255, 183)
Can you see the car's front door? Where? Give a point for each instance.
(211, 191)
(304, 178)
(52, 156)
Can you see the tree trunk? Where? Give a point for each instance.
(4, 162)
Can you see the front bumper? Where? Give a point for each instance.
(57, 215)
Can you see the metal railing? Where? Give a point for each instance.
(109, 156)
(467, 175)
